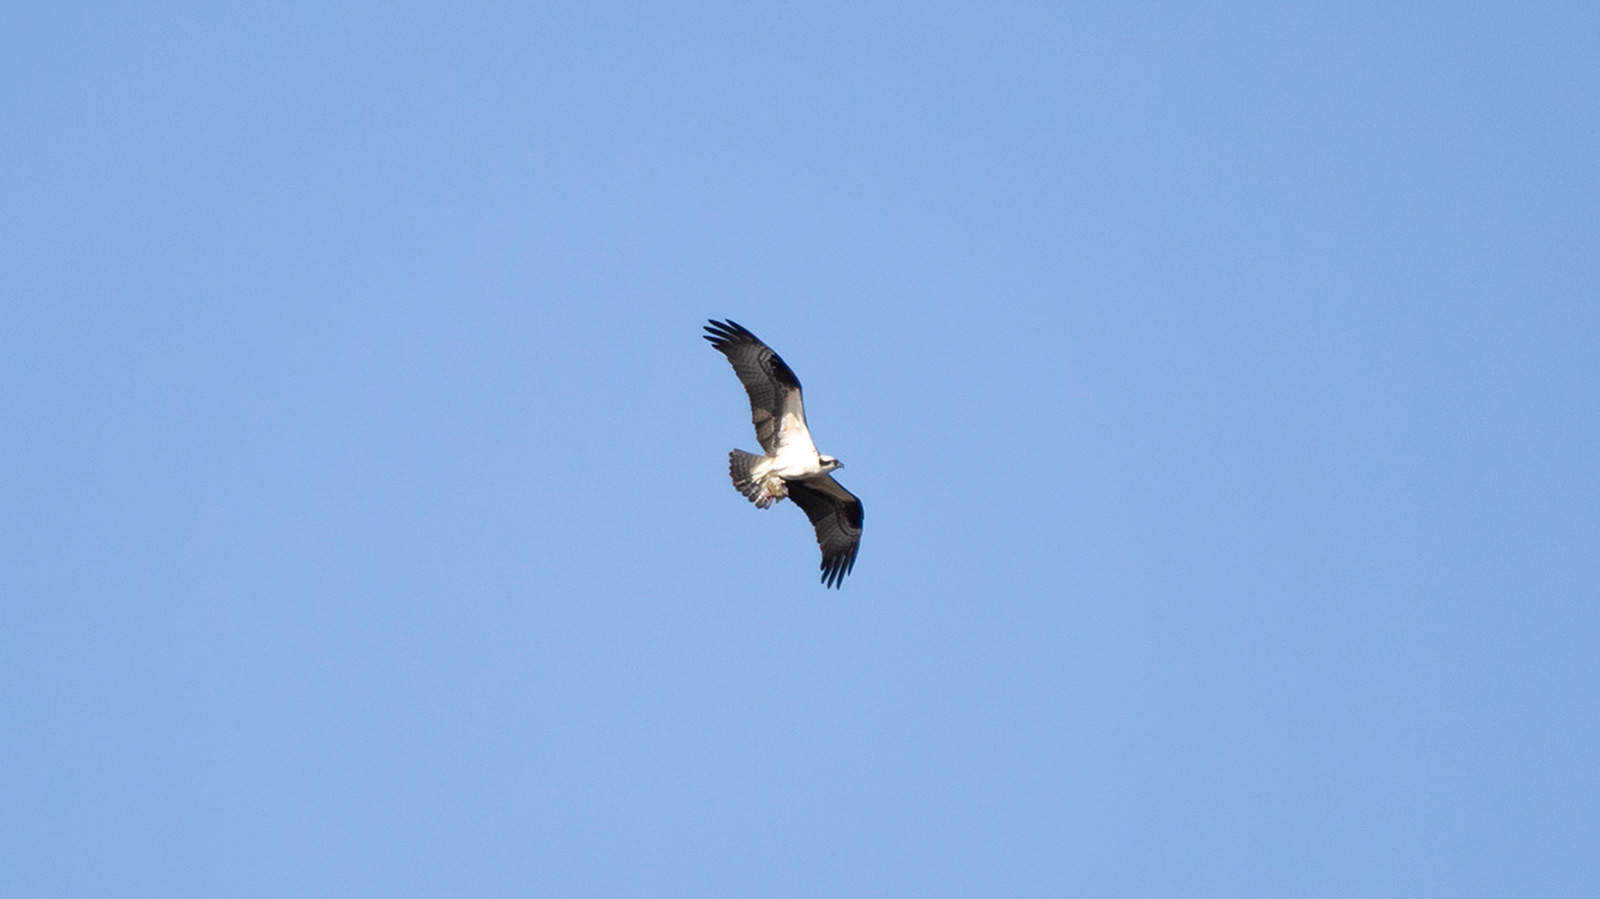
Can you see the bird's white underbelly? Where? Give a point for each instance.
(796, 455)
(796, 462)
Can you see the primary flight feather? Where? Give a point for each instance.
(791, 467)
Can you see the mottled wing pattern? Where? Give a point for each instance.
(774, 390)
(836, 513)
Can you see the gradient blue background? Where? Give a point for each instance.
(1220, 380)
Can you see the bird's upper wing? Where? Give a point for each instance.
(775, 403)
(836, 513)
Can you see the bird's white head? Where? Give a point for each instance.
(829, 463)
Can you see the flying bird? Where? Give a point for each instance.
(791, 467)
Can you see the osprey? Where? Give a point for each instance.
(792, 466)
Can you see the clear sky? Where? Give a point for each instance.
(1222, 383)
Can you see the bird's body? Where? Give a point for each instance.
(791, 467)
(793, 459)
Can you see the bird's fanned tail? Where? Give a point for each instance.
(746, 469)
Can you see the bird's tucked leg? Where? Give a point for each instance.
(776, 489)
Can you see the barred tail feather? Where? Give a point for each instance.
(749, 473)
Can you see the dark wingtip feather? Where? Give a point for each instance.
(724, 334)
(834, 569)
(717, 334)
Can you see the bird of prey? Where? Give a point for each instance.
(792, 466)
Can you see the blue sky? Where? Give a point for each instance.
(1220, 382)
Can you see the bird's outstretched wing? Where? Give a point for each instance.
(776, 408)
(836, 514)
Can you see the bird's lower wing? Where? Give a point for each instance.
(837, 515)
